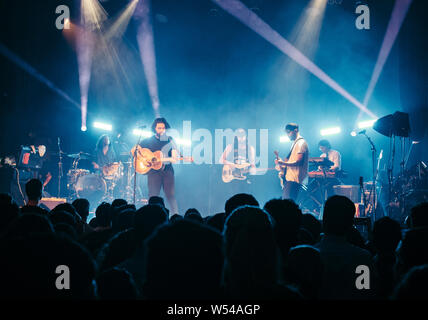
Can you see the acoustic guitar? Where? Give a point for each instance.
(145, 160)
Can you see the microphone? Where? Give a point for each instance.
(362, 131)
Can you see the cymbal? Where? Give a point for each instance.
(81, 155)
(393, 124)
(58, 153)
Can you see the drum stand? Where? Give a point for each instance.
(109, 197)
(372, 196)
(128, 191)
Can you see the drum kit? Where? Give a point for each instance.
(112, 181)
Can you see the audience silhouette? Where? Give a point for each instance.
(245, 252)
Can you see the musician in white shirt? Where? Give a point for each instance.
(296, 163)
(335, 157)
(332, 155)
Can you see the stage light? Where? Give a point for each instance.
(93, 14)
(353, 133)
(330, 131)
(284, 139)
(67, 23)
(83, 128)
(142, 133)
(103, 126)
(366, 124)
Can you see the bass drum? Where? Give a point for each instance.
(91, 187)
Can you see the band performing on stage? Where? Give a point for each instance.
(217, 150)
(309, 181)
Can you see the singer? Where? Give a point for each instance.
(157, 179)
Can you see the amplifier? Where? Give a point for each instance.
(52, 202)
(350, 191)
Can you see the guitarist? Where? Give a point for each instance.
(239, 152)
(156, 179)
(296, 164)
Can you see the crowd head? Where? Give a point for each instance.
(246, 252)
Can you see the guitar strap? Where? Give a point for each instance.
(288, 157)
(292, 147)
(236, 150)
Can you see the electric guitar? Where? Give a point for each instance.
(282, 169)
(239, 171)
(145, 160)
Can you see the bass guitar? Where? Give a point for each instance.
(282, 169)
(239, 171)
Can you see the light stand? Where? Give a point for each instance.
(390, 172)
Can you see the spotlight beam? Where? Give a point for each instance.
(36, 74)
(251, 20)
(84, 59)
(147, 52)
(397, 17)
(117, 29)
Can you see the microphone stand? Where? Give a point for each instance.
(59, 167)
(373, 190)
(390, 172)
(363, 194)
(135, 164)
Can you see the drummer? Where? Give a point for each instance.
(104, 153)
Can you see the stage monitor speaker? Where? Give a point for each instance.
(52, 202)
(353, 192)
